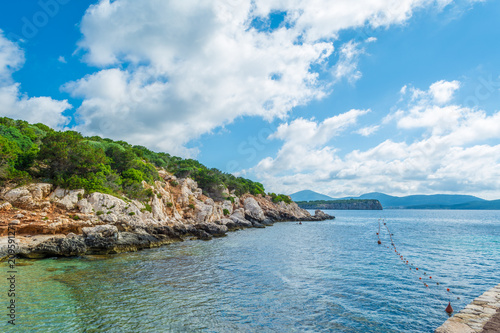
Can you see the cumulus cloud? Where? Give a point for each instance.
(305, 143)
(182, 69)
(15, 104)
(442, 91)
(454, 153)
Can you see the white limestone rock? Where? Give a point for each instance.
(253, 210)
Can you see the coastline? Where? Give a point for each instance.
(481, 315)
(39, 221)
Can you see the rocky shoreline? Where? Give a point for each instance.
(39, 221)
(480, 316)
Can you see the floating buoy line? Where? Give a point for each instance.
(418, 272)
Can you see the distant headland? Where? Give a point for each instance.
(435, 201)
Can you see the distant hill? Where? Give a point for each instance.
(308, 195)
(421, 201)
(491, 205)
(351, 204)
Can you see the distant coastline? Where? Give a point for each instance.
(350, 204)
(434, 201)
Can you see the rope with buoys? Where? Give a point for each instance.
(414, 269)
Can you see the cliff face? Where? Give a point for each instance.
(68, 223)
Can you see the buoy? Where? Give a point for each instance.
(430, 277)
(447, 289)
(377, 233)
(379, 241)
(420, 278)
(449, 309)
(416, 269)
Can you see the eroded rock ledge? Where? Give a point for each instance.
(482, 315)
(52, 221)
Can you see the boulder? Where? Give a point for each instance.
(66, 199)
(6, 206)
(57, 246)
(267, 222)
(20, 197)
(238, 217)
(228, 205)
(101, 231)
(84, 206)
(40, 191)
(253, 210)
(212, 229)
(228, 223)
(204, 212)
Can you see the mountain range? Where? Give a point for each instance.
(435, 201)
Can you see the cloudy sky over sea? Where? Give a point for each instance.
(339, 96)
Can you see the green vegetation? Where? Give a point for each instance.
(280, 197)
(341, 204)
(68, 159)
(226, 212)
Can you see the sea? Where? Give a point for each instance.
(329, 276)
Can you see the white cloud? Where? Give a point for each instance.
(347, 65)
(304, 146)
(198, 65)
(15, 104)
(62, 60)
(442, 91)
(456, 152)
(369, 130)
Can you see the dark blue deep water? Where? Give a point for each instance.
(327, 276)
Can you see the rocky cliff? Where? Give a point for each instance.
(50, 221)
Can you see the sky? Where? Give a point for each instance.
(337, 96)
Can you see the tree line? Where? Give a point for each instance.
(30, 152)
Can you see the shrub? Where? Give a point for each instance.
(192, 206)
(174, 183)
(147, 208)
(99, 213)
(169, 204)
(131, 213)
(75, 217)
(226, 212)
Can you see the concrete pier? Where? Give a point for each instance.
(480, 316)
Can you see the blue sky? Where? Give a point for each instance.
(339, 97)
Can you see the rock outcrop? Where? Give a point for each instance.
(59, 222)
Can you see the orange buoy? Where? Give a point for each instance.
(420, 278)
(416, 269)
(447, 289)
(379, 241)
(430, 277)
(449, 309)
(377, 233)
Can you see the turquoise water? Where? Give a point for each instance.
(316, 277)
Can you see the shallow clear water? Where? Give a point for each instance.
(316, 277)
